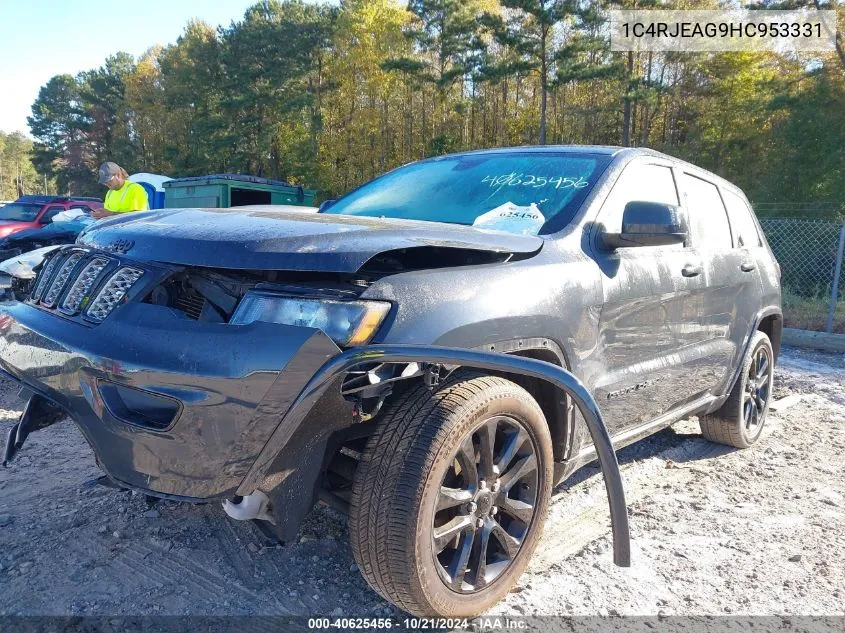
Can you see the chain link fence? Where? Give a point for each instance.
(810, 256)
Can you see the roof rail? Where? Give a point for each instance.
(42, 199)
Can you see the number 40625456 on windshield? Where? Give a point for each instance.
(528, 180)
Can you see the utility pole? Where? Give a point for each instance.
(834, 287)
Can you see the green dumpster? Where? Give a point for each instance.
(232, 190)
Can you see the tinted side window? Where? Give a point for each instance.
(48, 215)
(742, 222)
(707, 217)
(640, 182)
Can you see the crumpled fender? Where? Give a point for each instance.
(559, 377)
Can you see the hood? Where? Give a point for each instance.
(278, 238)
(7, 227)
(67, 230)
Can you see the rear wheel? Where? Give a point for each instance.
(451, 495)
(739, 422)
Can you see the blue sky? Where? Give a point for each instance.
(42, 38)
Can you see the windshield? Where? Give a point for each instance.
(19, 212)
(459, 189)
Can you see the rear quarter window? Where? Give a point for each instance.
(742, 222)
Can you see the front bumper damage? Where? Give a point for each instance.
(252, 406)
(210, 394)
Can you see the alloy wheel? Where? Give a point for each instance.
(757, 390)
(486, 504)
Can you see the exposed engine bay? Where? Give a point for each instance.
(206, 294)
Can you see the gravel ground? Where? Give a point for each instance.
(715, 531)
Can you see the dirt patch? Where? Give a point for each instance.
(715, 531)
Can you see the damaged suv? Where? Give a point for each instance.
(432, 353)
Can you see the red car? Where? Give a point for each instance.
(34, 212)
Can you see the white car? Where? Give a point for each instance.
(17, 273)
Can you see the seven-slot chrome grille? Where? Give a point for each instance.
(60, 280)
(44, 277)
(79, 282)
(115, 289)
(79, 290)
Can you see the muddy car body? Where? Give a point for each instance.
(269, 359)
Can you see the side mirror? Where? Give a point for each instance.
(648, 224)
(325, 204)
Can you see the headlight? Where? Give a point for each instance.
(345, 322)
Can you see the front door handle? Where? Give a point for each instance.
(747, 267)
(692, 270)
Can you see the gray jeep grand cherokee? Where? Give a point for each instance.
(431, 353)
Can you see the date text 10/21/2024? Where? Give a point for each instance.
(481, 623)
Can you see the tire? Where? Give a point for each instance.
(739, 422)
(427, 451)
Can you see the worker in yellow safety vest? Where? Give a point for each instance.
(123, 196)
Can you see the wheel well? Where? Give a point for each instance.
(772, 326)
(556, 407)
(555, 404)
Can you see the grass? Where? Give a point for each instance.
(810, 313)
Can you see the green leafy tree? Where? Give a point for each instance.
(528, 28)
(368, 110)
(584, 58)
(638, 85)
(59, 124)
(821, 5)
(808, 141)
(190, 85)
(267, 100)
(17, 173)
(445, 36)
(330, 96)
(103, 99)
(149, 116)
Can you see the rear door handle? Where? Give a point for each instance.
(747, 267)
(691, 270)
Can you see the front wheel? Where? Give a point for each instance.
(451, 495)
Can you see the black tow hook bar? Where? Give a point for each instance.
(38, 414)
